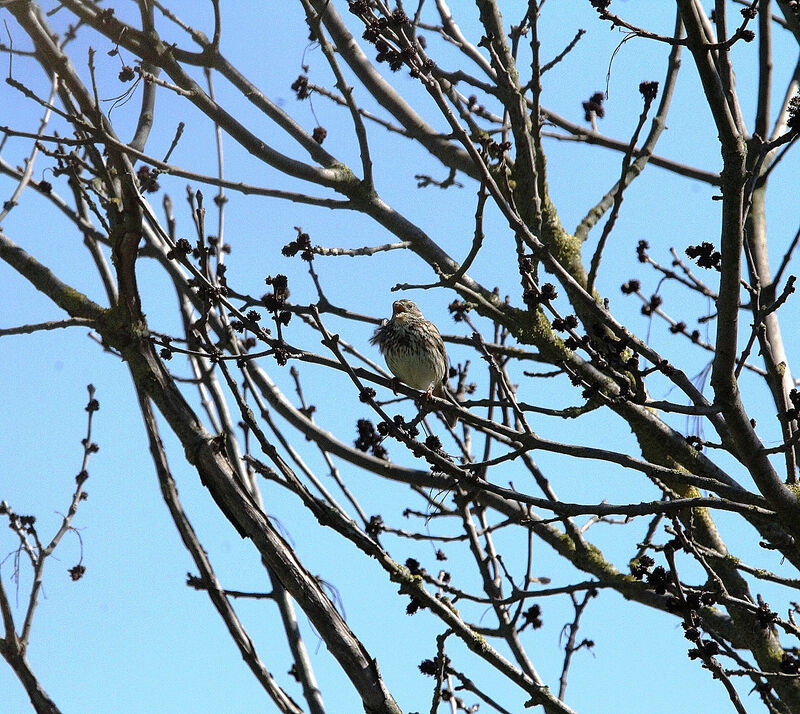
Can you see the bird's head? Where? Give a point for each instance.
(405, 308)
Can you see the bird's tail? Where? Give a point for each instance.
(443, 392)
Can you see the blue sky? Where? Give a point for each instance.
(130, 636)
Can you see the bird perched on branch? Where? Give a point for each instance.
(414, 350)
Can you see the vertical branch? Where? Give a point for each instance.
(304, 670)
(215, 591)
(13, 647)
(644, 155)
(40, 700)
(491, 585)
(220, 199)
(648, 91)
(147, 111)
(572, 628)
(750, 450)
(511, 94)
(31, 160)
(764, 67)
(535, 84)
(315, 25)
(721, 55)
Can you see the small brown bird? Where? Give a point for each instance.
(413, 350)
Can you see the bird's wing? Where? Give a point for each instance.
(443, 352)
(379, 334)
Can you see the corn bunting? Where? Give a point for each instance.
(414, 351)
